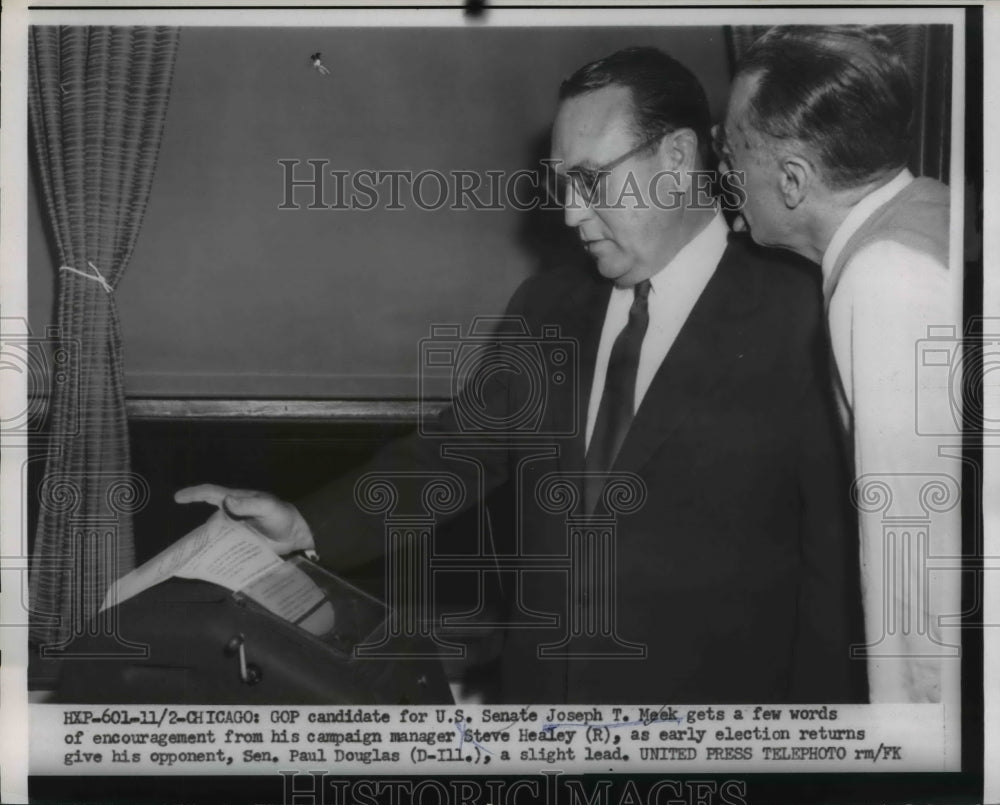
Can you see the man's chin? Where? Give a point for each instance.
(615, 276)
(621, 278)
(740, 224)
(764, 242)
(610, 269)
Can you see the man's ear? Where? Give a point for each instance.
(679, 150)
(796, 180)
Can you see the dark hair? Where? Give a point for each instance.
(665, 95)
(842, 90)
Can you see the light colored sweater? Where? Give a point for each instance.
(886, 281)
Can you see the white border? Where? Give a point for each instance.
(991, 411)
(495, 17)
(13, 399)
(13, 250)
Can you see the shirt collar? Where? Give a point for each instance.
(860, 213)
(704, 250)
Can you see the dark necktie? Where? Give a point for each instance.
(618, 401)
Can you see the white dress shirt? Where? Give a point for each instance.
(674, 289)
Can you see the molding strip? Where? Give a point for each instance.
(369, 411)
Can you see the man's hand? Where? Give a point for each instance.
(275, 520)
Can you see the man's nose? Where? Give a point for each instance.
(576, 210)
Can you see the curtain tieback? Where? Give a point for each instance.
(97, 276)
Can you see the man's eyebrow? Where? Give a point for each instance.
(587, 166)
(560, 166)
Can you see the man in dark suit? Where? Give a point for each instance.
(730, 575)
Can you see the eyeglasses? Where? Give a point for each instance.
(590, 183)
(720, 145)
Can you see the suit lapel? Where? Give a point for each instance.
(581, 322)
(701, 357)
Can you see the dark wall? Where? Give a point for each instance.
(228, 295)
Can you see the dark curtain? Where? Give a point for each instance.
(926, 49)
(97, 99)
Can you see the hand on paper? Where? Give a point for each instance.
(272, 518)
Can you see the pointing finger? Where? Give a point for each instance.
(203, 493)
(248, 505)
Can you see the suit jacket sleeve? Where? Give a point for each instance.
(829, 617)
(346, 534)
